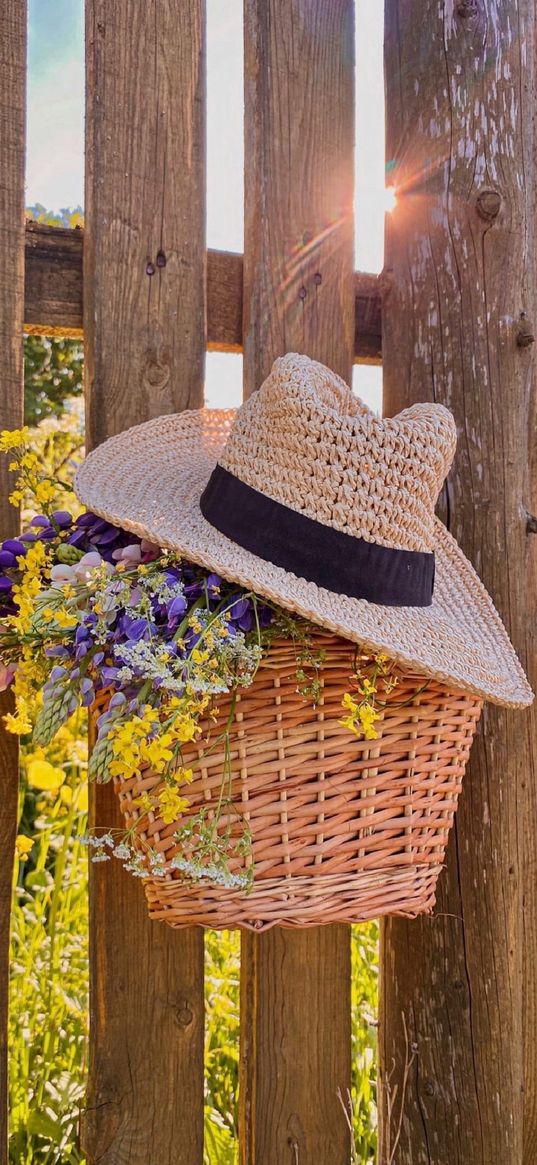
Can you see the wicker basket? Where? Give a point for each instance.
(343, 829)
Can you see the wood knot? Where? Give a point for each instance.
(488, 204)
(183, 1015)
(155, 373)
(525, 333)
(467, 8)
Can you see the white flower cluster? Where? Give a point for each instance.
(151, 661)
(216, 874)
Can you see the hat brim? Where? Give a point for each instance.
(149, 480)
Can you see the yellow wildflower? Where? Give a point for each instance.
(14, 438)
(361, 717)
(349, 703)
(368, 715)
(199, 656)
(62, 617)
(184, 728)
(157, 752)
(144, 802)
(23, 846)
(43, 775)
(349, 723)
(171, 804)
(44, 492)
(29, 460)
(19, 724)
(81, 798)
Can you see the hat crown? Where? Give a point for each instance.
(306, 441)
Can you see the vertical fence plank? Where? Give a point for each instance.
(460, 112)
(144, 320)
(12, 145)
(298, 294)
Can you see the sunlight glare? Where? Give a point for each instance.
(390, 199)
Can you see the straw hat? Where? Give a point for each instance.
(308, 498)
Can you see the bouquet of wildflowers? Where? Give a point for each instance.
(93, 616)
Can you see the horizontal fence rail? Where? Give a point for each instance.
(54, 299)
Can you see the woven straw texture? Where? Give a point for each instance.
(343, 829)
(307, 442)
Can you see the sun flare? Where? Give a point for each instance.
(390, 199)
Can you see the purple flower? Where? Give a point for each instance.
(106, 537)
(264, 615)
(86, 519)
(14, 546)
(194, 590)
(7, 559)
(77, 538)
(40, 520)
(137, 629)
(239, 609)
(57, 652)
(246, 621)
(87, 691)
(62, 518)
(177, 607)
(5, 583)
(117, 700)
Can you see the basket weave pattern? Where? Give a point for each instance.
(343, 829)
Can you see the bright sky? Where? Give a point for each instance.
(55, 154)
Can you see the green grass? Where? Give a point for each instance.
(48, 1028)
(49, 966)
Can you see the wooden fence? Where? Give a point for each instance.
(457, 299)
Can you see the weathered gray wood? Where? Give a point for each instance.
(460, 111)
(144, 326)
(53, 280)
(298, 294)
(53, 293)
(12, 150)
